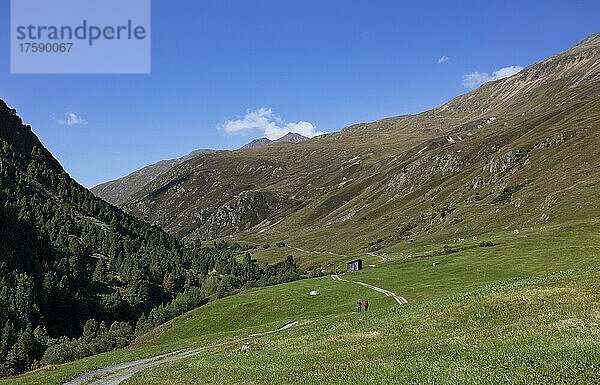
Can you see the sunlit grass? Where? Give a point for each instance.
(534, 331)
(524, 311)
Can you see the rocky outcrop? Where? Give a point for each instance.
(246, 210)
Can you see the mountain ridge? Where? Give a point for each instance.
(290, 137)
(489, 96)
(367, 167)
(62, 254)
(117, 191)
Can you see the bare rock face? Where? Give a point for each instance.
(257, 143)
(246, 210)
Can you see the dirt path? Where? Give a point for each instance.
(382, 257)
(399, 299)
(115, 374)
(86, 377)
(284, 327)
(116, 377)
(298, 249)
(315, 252)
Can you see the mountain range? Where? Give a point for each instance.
(516, 152)
(120, 190)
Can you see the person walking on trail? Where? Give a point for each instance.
(366, 305)
(358, 305)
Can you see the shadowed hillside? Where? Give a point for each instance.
(120, 190)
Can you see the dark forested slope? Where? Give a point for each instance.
(71, 264)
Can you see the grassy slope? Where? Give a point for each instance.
(225, 319)
(564, 182)
(534, 331)
(479, 312)
(530, 253)
(348, 189)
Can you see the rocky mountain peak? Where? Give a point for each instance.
(290, 137)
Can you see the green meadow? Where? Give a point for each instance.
(524, 311)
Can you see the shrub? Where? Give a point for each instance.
(506, 195)
(446, 250)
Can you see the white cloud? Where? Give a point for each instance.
(475, 79)
(269, 124)
(443, 59)
(506, 72)
(71, 119)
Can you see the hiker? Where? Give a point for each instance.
(366, 305)
(358, 305)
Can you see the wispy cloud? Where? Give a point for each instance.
(443, 59)
(71, 119)
(475, 79)
(269, 124)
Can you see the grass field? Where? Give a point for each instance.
(534, 331)
(524, 311)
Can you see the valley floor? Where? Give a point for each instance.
(524, 311)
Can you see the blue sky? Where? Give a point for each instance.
(221, 67)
